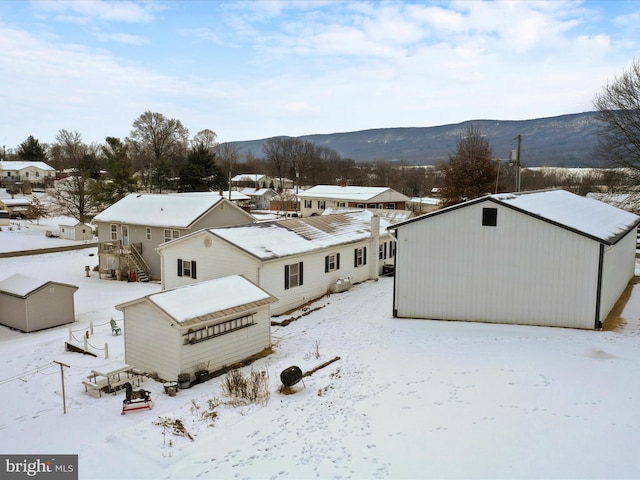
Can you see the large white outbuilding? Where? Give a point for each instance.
(547, 258)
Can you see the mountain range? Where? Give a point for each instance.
(562, 141)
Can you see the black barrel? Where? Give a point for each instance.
(290, 376)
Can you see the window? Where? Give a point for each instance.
(341, 204)
(171, 234)
(360, 205)
(114, 232)
(360, 257)
(490, 217)
(186, 268)
(211, 331)
(382, 251)
(321, 204)
(26, 174)
(148, 233)
(308, 204)
(292, 275)
(37, 174)
(391, 206)
(392, 249)
(332, 262)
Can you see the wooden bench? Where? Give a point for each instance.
(91, 387)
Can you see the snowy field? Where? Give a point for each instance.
(407, 399)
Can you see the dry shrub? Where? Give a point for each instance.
(253, 388)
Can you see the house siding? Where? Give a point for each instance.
(222, 259)
(151, 343)
(522, 271)
(618, 269)
(230, 348)
(223, 214)
(218, 260)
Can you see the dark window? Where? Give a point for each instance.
(186, 268)
(490, 217)
(360, 256)
(292, 275)
(331, 262)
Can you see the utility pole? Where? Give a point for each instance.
(517, 159)
(64, 400)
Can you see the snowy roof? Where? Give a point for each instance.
(592, 217)
(208, 300)
(600, 221)
(158, 210)
(256, 192)
(249, 177)
(16, 202)
(357, 194)
(22, 285)
(235, 194)
(279, 238)
(20, 165)
(392, 216)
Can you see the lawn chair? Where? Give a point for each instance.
(115, 329)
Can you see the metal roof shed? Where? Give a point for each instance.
(29, 304)
(203, 326)
(547, 258)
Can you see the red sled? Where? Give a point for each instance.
(138, 400)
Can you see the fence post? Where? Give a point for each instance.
(86, 344)
(91, 328)
(106, 350)
(70, 334)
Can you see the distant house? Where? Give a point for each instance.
(204, 326)
(76, 231)
(29, 304)
(314, 200)
(547, 258)
(36, 173)
(258, 180)
(17, 207)
(131, 229)
(296, 259)
(260, 197)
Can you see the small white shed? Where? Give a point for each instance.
(204, 326)
(29, 304)
(77, 231)
(547, 258)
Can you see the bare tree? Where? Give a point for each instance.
(206, 138)
(73, 195)
(471, 172)
(158, 143)
(618, 107)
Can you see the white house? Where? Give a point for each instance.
(260, 197)
(296, 259)
(37, 173)
(205, 326)
(131, 229)
(30, 304)
(315, 200)
(547, 258)
(258, 180)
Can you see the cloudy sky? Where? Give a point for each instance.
(251, 70)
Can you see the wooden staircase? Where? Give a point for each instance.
(136, 264)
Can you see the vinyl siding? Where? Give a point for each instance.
(522, 271)
(151, 343)
(618, 269)
(229, 348)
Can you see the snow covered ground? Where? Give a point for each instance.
(407, 399)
